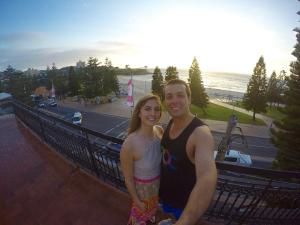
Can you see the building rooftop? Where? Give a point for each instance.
(39, 187)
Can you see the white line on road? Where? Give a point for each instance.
(121, 135)
(257, 146)
(262, 146)
(260, 158)
(116, 126)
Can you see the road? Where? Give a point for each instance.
(262, 151)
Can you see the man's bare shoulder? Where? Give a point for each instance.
(158, 131)
(202, 138)
(202, 132)
(158, 127)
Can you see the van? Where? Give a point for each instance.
(77, 118)
(236, 158)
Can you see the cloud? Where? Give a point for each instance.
(24, 39)
(39, 58)
(114, 44)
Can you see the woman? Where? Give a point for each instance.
(140, 160)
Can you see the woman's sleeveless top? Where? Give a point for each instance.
(148, 167)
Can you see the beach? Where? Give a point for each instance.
(142, 87)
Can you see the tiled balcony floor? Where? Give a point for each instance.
(37, 187)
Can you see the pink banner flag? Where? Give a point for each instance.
(52, 91)
(130, 101)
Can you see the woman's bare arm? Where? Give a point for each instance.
(127, 159)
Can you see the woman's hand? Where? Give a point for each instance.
(141, 205)
(166, 222)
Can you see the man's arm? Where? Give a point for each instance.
(206, 177)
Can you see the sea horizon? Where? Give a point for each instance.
(186, 70)
(218, 85)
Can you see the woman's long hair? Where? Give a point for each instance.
(135, 119)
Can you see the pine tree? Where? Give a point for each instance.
(281, 87)
(110, 80)
(93, 63)
(9, 71)
(255, 97)
(73, 82)
(198, 95)
(272, 91)
(52, 73)
(92, 84)
(287, 136)
(157, 82)
(171, 73)
(6, 75)
(18, 85)
(61, 85)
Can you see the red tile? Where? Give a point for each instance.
(39, 187)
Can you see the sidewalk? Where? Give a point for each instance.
(119, 108)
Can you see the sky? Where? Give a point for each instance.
(224, 35)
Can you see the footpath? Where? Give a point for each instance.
(119, 108)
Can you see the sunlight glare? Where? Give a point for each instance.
(218, 40)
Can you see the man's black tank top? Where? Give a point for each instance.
(178, 175)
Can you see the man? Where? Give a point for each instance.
(188, 177)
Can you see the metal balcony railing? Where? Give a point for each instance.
(243, 195)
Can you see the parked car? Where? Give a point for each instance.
(236, 158)
(114, 146)
(53, 104)
(41, 105)
(77, 118)
(113, 99)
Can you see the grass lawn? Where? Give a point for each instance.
(272, 112)
(216, 112)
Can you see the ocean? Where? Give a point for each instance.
(219, 85)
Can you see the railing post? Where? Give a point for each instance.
(255, 204)
(89, 148)
(42, 127)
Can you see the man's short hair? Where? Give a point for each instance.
(179, 81)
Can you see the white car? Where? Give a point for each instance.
(77, 118)
(53, 104)
(114, 146)
(41, 104)
(236, 158)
